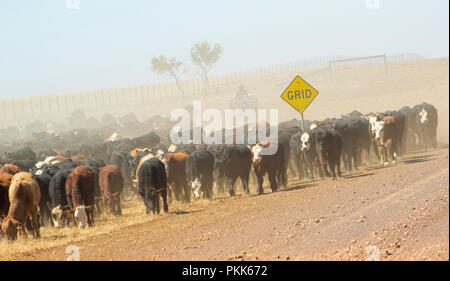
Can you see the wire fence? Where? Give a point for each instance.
(20, 111)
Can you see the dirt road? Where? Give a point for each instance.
(389, 213)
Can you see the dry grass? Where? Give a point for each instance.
(133, 213)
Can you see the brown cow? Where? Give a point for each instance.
(272, 164)
(176, 175)
(80, 191)
(111, 185)
(24, 196)
(5, 181)
(10, 169)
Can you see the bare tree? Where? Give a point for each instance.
(205, 57)
(163, 65)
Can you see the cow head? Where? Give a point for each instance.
(172, 148)
(262, 148)
(10, 227)
(80, 215)
(60, 214)
(306, 141)
(256, 151)
(423, 116)
(110, 201)
(160, 154)
(196, 186)
(377, 129)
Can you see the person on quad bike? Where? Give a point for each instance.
(242, 94)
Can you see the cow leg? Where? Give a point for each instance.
(338, 164)
(148, 205)
(299, 165)
(187, 192)
(376, 149)
(356, 159)
(119, 209)
(90, 217)
(35, 223)
(323, 163)
(50, 214)
(156, 200)
(219, 183)
(231, 182)
(164, 198)
(347, 163)
(244, 179)
(331, 163)
(273, 181)
(260, 179)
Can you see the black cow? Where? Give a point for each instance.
(152, 182)
(122, 160)
(235, 162)
(60, 209)
(199, 172)
(296, 155)
(348, 130)
(217, 151)
(44, 204)
(22, 154)
(284, 137)
(409, 138)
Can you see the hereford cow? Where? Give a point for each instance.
(328, 147)
(10, 169)
(152, 181)
(111, 185)
(199, 172)
(24, 199)
(80, 190)
(386, 138)
(176, 175)
(273, 165)
(5, 181)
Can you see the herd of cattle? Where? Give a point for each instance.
(44, 184)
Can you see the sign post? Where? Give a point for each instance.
(299, 94)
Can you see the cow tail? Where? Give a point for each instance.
(283, 167)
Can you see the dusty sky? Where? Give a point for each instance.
(46, 48)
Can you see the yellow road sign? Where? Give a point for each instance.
(299, 94)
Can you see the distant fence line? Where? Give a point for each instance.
(19, 111)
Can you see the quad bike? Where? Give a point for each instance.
(244, 102)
